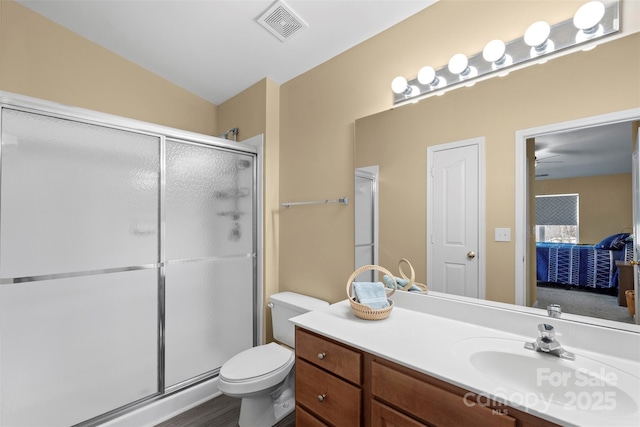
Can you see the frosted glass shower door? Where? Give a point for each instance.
(79, 259)
(365, 241)
(210, 253)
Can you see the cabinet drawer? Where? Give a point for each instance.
(430, 403)
(384, 416)
(332, 399)
(305, 419)
(331, 356)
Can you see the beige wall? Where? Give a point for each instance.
(605, 203)
(557, 91)
(257, 111)
(41, 59)
(319, 108)
(309, 121)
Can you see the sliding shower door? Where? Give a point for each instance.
(128, 263)
(210, 252)
(79, 249)
(366, 241)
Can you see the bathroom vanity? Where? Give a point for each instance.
(429, 365)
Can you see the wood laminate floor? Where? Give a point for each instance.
(222, 411)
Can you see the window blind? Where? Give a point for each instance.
(557, 210)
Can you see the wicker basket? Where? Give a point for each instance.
(364, 311)
(412, 277)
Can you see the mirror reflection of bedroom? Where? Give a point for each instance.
(582, 220)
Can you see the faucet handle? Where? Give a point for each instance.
(554, 310)
(547, 333)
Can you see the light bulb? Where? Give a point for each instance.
(537, 34)
(399, 85)
(426, 75)
(588, 17)
(583, 36)
(458, 64)
(494, 52)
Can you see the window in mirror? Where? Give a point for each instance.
(557, 218)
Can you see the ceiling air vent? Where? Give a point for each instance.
(281, 21)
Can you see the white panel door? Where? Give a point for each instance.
(454, 218)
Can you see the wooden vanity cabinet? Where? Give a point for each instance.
(337, 385)
(328, 382)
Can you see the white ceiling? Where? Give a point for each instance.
(215, 48)
(601, 150)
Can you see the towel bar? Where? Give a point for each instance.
(344, 201)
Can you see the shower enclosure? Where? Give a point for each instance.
(128, 261)
(366, 222)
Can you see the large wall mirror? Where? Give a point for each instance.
(506, 112)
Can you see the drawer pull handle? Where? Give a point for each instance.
(321, 397)
(321, 356)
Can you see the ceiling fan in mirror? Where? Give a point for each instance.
(545, 160)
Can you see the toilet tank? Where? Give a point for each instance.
(286, 305)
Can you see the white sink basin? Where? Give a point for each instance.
(529, 378)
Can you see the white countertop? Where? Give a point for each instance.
(425, 342)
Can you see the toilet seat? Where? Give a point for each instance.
(256, 369)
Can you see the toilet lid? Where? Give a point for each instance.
(256, 362)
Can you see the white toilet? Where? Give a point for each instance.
(263, 376)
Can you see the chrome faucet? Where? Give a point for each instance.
(546, 343)
(554, 310)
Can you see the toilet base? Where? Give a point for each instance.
(283, 409)
(257, 411)
(267, 410)
(263, 411)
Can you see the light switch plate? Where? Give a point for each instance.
(503, 235)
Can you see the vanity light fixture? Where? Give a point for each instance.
(592, 21)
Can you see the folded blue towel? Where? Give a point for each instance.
(371, 294)
(401, 284)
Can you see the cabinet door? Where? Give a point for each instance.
(303, 418)
(435, 405)
(331, 398)
(384, 416)
(335, 358)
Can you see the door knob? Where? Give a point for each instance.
(471, 254)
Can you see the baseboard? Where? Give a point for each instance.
(161, 410)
